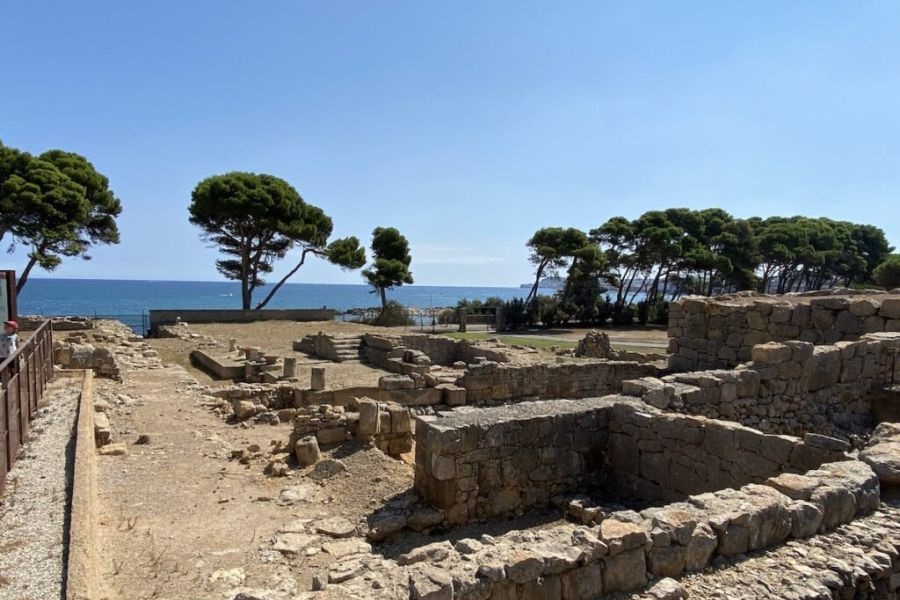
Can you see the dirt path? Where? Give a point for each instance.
(181, 519)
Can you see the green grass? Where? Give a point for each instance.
(542, 344)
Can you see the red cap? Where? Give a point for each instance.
(13, 323)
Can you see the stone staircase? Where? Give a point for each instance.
(347, 348)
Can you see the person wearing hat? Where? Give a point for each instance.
(9, 340)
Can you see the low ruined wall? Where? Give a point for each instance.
(496, 461)
(492, 383)
(441, 350)
(76, 355)
(491, 462)
(32, 322)
(575, 562)
(168, 316)
(716, 333)
(792, 387)
(387, 424)
(662, 456)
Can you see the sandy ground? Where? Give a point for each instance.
(181, 519)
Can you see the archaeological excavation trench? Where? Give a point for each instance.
(361, 464)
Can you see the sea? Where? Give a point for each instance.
(129, 300)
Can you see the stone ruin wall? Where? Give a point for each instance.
(491, 383)
(441, 350)
(387, 424)
(573, 562)
(710, 333)
(493, 462)
(790, 388)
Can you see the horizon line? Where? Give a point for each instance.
(263, 286)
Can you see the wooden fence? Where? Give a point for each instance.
(24, 377)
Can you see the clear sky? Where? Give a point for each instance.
(465, 124)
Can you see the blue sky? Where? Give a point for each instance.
(467, 125)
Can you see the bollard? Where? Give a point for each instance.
(462, 320)
(317, 380)
(232, 344)
(290, 368)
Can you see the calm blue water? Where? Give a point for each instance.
(124, 297)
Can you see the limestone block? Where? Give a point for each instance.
(884, 458)
(369, 423)
(625, 571)
(400, 419)
(890, 308)
(452, 395)
(806, 518)
(622, 536)
(332, 435)
(863, 308)
(102, 431)
(700, 548)
(317, 379)
(583, 583)
(306, 450)
(243, 409)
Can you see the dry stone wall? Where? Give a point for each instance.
(485, 463)
(709, 333)
(490, 383)
(440, 350)
(567, 561)
(480, 464)
(663, 456)
(387, 425)
(792, 387)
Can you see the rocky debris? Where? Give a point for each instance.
(302, 492)
(292, 543)
(115, 449)
(328, 468)
(336, 527)
(386, 523)
(883, 453)
(386, 424)
(666, 589)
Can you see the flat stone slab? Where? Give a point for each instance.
(336, 527)
(223, 367)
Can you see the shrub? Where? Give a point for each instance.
(392, 315)
(516, 313)
(887, 274)
(643, 312)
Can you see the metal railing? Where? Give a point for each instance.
(24, 377)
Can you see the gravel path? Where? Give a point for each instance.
(34, 506)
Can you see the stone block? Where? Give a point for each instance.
(771, 353)
(625, 571)
(369, 422)
(306, 450)
(890, 308)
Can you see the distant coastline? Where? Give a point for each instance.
(110, 297)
